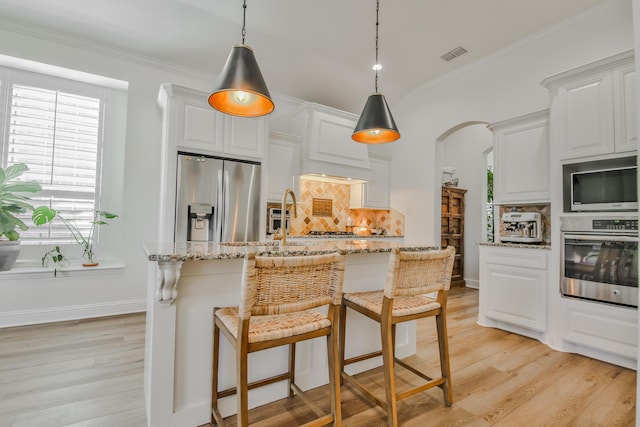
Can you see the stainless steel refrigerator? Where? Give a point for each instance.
(216, 199)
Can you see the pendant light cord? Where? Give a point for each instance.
(377, 65)
(244, 20)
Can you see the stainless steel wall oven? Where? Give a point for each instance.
(600, 258)
(274, 220)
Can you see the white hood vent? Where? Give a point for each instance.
(327, 147)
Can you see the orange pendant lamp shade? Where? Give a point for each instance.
(376, 124)
(241, 90)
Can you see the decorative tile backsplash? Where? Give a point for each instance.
(389, 220)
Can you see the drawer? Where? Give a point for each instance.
(526, 258)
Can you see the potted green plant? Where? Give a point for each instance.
(12, 204)
(43, 215)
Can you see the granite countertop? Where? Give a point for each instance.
(202, 251)
(515, 245)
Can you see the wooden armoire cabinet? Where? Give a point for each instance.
(452, 229)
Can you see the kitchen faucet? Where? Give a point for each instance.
(283, 241)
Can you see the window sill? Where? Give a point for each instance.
(33, 270)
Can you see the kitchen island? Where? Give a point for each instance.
(186, 281)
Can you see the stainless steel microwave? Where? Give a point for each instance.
(613, 189)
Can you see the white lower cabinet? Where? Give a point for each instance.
(604, 327)
(513, 289)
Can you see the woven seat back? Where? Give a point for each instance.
(417, 273)
(285, 284)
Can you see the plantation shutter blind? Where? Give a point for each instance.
(56, 127)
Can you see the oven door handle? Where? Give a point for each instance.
(601, 238)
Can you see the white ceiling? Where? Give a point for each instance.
(321, 51)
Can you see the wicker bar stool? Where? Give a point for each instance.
(278, 295)
(410, 276)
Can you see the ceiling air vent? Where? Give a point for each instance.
(453, 53)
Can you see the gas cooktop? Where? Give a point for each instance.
(330, 233)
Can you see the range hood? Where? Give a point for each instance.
(327, 148)
(334, 172)
(333, 179)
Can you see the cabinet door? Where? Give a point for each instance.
(522, 160)
(516, 295)
(373, 194)
(626, 134)
(199, 128)
(245, 136)
(585, 116)
(283, 165)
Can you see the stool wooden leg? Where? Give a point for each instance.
(242, 375)
(292, 368)
(214, 369)
(443, 344)
(334, 373)
(389, 371)
(343, 330)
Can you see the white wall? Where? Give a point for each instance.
(464, 149)
(37, 297)
(500, 87)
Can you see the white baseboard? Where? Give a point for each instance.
(59, 314)
(472, 283)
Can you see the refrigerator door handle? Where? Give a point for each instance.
(225, 205)
(219, 213)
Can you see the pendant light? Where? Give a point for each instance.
(241, 90)
(376, 124)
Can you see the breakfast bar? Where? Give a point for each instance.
(187, 280)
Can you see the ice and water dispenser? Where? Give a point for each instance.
(200, 222)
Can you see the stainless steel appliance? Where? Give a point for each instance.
(217, 200)
(275, 220)
(613, 189)
(522, 227)
(600, 258)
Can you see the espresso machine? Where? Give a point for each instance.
(521, 227)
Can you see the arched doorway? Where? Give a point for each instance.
(465, 148)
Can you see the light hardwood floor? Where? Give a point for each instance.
(89, 373)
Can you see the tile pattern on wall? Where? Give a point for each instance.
(390, 220)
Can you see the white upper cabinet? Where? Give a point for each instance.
(593, 108)
(624, 109)
(245, 136)
(283, 165)
(373, 194)
(191, 125)
(521, 159)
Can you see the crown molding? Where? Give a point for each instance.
(66, 39)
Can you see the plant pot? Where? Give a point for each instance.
(9, 251)
(90, 264)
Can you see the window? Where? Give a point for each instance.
(56, 127)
